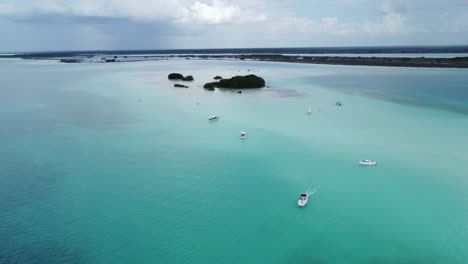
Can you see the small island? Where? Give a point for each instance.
(209, 86)
(251, 81)
(187, 78)
(175, 76)
(180, 77)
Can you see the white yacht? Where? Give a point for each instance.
(302, 199)
(243, 135)
(310, 111)
(368, 162)
(213, 117)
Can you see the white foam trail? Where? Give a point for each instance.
(312, 192)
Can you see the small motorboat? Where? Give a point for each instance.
(310, 111)
(302, 199)
(213, 117)
(338, 103)
(243, 135)
(368, 162)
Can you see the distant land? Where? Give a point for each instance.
(298, 50)
(313, 55)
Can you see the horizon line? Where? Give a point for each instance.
(246, 48)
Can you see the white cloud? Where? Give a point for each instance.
(184, 23)
(392, 23)
(325, 25)
(414, 6)
(393, 6)
(190, 11)
(459, 24)
(219, 12)
(143, 9)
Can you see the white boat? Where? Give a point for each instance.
(310, 111)
(302, 199)
(368, 162)
(243, 135)
(213, 117)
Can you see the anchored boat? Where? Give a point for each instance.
(243, 135)
(368, 162)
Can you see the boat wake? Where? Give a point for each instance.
(311, 191)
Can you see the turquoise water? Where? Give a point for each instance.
(111, 164)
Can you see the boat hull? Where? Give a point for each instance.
(301, 203)
(243, 135)
(370, 163)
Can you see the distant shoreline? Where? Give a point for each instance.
(457, 62)
(357, 59)
(423, 62)
(389, 56)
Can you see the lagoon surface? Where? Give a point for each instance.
(109, 163)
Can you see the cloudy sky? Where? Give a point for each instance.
(27, 25)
